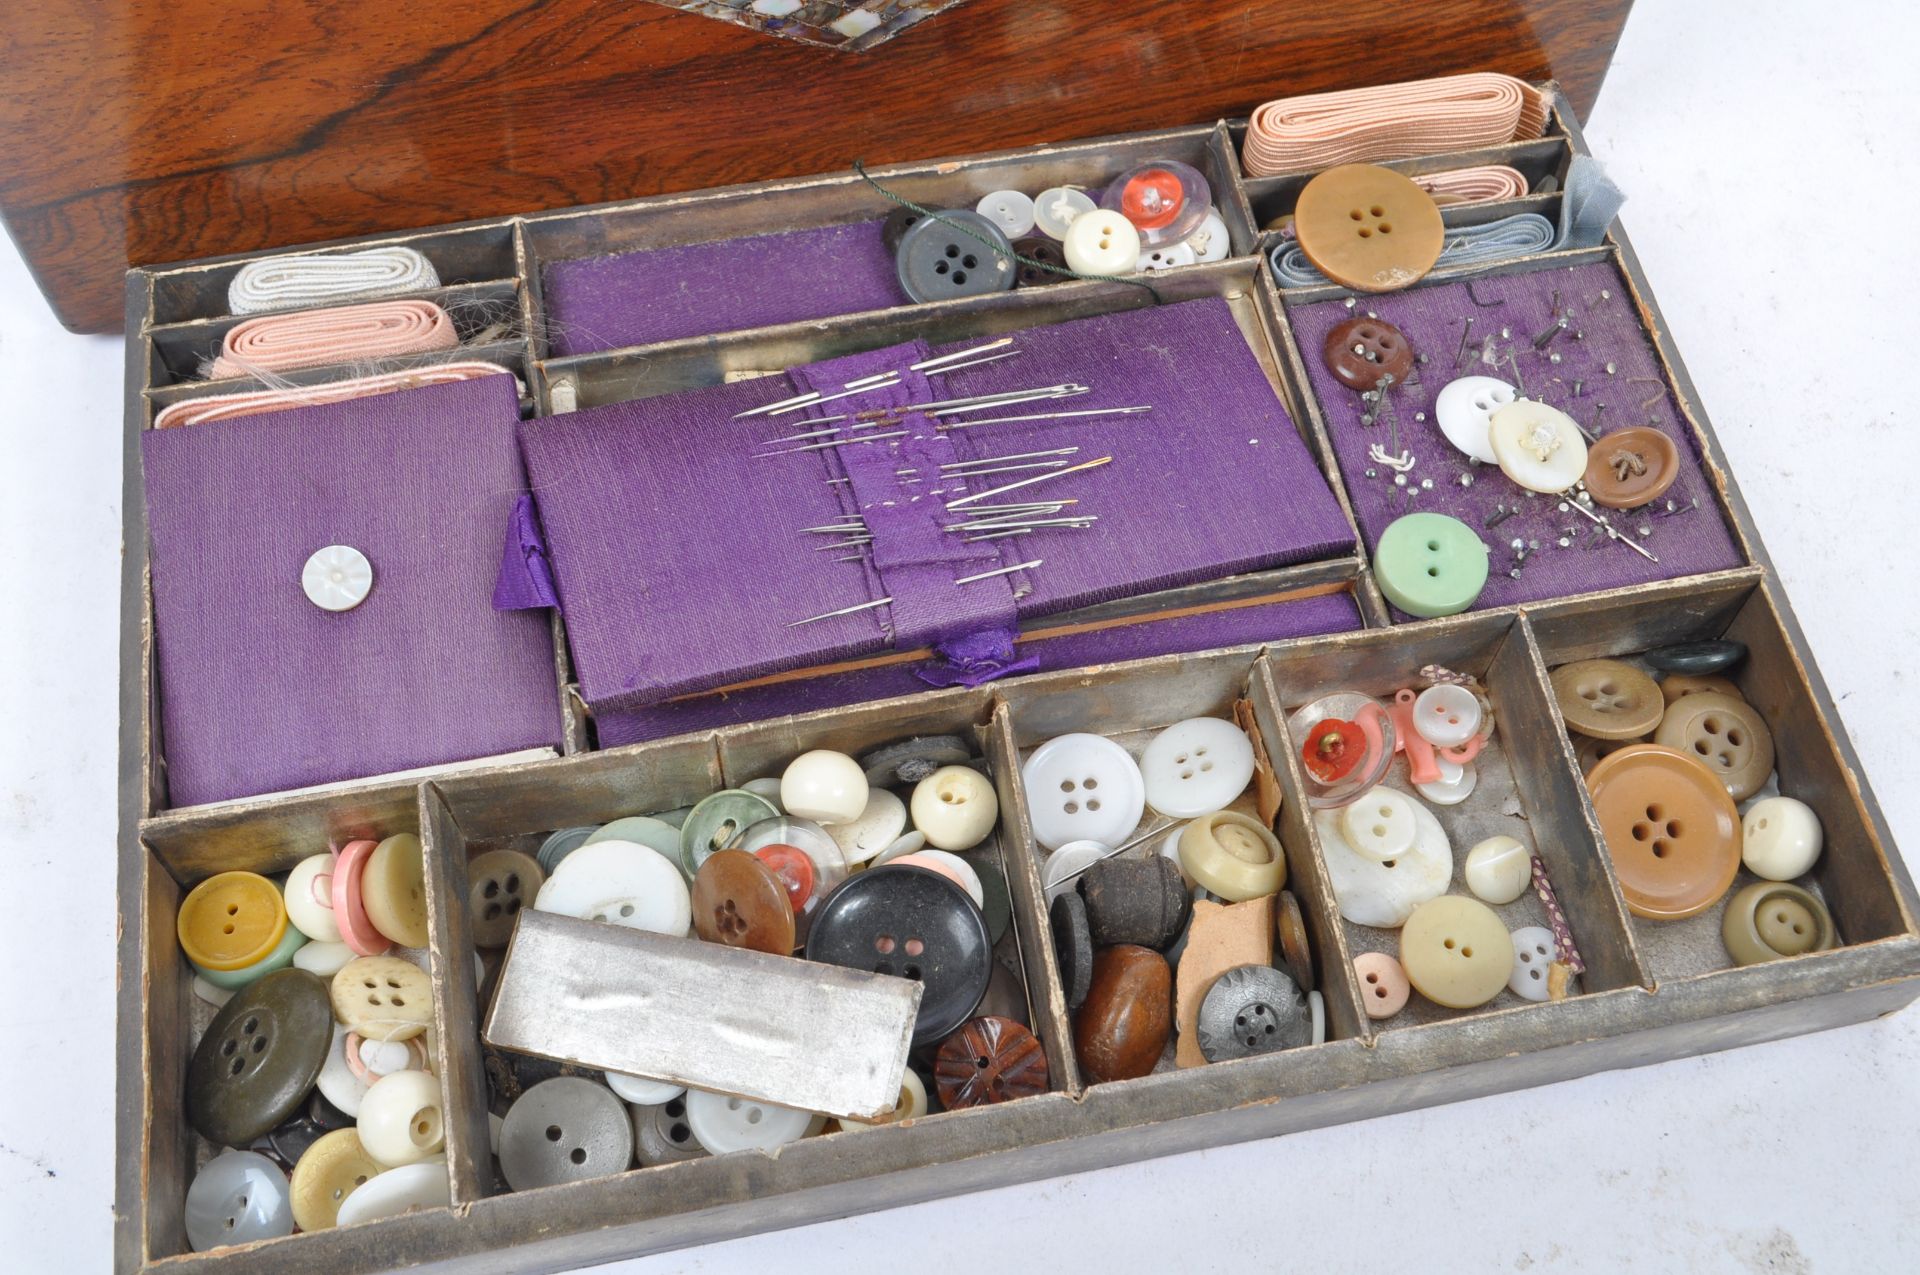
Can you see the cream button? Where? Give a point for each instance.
(337, 578)
(723, 1123)
(1456, 782)
(382, 998)
(1533, 955)
(1102, 243)
(1780, 838)
(1210, 242)
(1010, 210)
(1233, 855)
(324, 959)
(884, 819)
(332, 1169)
(1082, 788)
(956, 807)
(1538, 446)
(1055, 210)
(1383, 893)
(400, 1119)
(911, 1104)
(1381, 825)
(621, 883)
(402, 1190)
(1446, 715)
(1196, 766)
(309, 893)
(1456, 952)
(824, 786)
(1499, 870)
(1464, 411)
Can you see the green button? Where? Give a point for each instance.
(1430, 564)
(259, 1057)
(278, 959)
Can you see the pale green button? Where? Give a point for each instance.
(1430, 564)
(278, 959)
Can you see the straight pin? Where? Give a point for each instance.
(1613, 532)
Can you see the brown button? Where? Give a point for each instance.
(1589, 751)
(1675, 685)
(499, 884)
(1670, 828)
(1631, 467)
(989, 1060)
(737, 900)
(1607, 699)
(1362, 351)
(1039, 248)
(1291, 929)
(1725, 734)
(1121, 1029)
(1772, 919)
(1368, 228)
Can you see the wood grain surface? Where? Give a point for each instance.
(140, 133)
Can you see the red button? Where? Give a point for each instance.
(1152, 198)
(795, 870)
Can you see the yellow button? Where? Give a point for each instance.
(383, 997)
(232, 920)
(1234, 855)
(394, 890)
(333, 1168)
(1456, 952)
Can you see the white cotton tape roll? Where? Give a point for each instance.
(294, 283)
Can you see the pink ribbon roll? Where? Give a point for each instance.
(220, 407)
(1395, 121)
(316, 338)
(1475, 185)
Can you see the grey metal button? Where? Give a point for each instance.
(559, 845)
(564, 1130)
(239, 1197)
(661, 1134)
(1253, 1009)
(938, 260)
(911, 760)
(1072, 945)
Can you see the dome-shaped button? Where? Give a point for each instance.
(1772, 919)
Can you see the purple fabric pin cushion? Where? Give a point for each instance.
(682, 552)
(1612, 361)
(260, 689)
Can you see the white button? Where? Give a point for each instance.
(219, 996)
(1381, 825)
(884, 819)
(1010, 210)
(723, 1123)
(1537, 446)
(1499, 870)
(385, 1057)
(337, 1082)
(400, 1118)
(911, 842)
(324, 959)
(956, 807)
(1059, 872)
(1170, 849)
(1167, 256)
(1464, 410)
(642, 1092)
(337, 578)
(768, 788)
(1055, 210)
(1196, 767)
(1102, 242)
(397, 1191)
(1446, 715)
(1384, 893)
(1456, 783)
(1083, 788)
(1317, 1006)
(622, 883)
(1211, 242)
(309, 894)
(1780, 838)
(824, 786)
(1533, 953)
(962, 871)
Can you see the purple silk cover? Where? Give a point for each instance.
(683, 560)
(261, 690)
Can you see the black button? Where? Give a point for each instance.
(911, 760)
(1072, 945)
(1040, 248)
(1698, 658)
(898, 222)
(938, 260)
(910, 923)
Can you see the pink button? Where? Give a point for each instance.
(349, 911)
(1383, 984)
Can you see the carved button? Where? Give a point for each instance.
(500, 883)
(259, 1058)
(1780, 838)
(1698, 659)
(1233, 855)
(1430, 564)
(1464, 411)
(1368, 228)
(1253, 1009)
(1534, 950)
(989, 1060)
(1725, 734)
(383, 998)
(1607, 699)
(1122, 1028)
(238, 1197)
(564, 1130)
(332, 1169)
(1675, 685)
(1361, 351)
(1456, 952)
(938, 260)
(1772, 919)
(1291, 929)
(1039, 248)
(337, 578)
(1384, 988)
(394, 889)
(1670, 827)
(717, 823)
(738, 901)
(910, 923)
(1072, 945)
(1139, 901)
(231, 921)
(1631, 467)
(1537, 446)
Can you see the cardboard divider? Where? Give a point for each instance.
(1538, 161)
(456, 999)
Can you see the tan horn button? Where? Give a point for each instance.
(1678, 685)
(1725, 734)
(1607, 699)
(1631, 467)
(1368, 228)
(1670, 828)
(1772, 919)
(1456, 952)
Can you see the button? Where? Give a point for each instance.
(1253, 1009)
(1164, 199)
(1196, 766)
(989, 1060)
(1062, 868)
(1039, 248)
(1772, 919)
(1384, 988)
(621, 883)
(1234, 855)
(1139, 901)
(1607, 699)
(1347, 744)
(1055, 210)
(1446, 715)
(499, 884)
(1698, 658)
(953, 868)
(1082, 788)
(1072, 944)
(324, 959)
(291, 941)
(1499, 870)
(884, 819)
(1430, 564)
(394, 889)
(291, 1138)
(804, 835)
(1587, 751)
(661, 1134)
(1102, 243)
(956, 807)
(910, 923)
(1122, 1028)
(259, 1057)
(337, 578)
(397, 1191)
(383, 998)
(738, 901)
(1631, 467)
(997, 905)
(1361, 352)
(1538, 446)
(1383, 893)
(308, 895)
(332, 1169)
(236, 1198)
(564, 1130)
(824, 786)
(641, 1091)
(1317, 1012)
(400, 1118)
(1381, 825)
(1211, 242)
(911, 1105)
(767, 787)
(559, 845)
(1010, 210)
(357, 930)
(1454, 785)
(654, 834)
(895, 227)
(1464, 411)
(1675, 685)
(1368, 228)
(1166, 257)
(911, 760)
(1780, 838)
(910, 842)
(231, 921)
(795, 870)
(1456, 952)
(1534, 950)
(380, 1058)
(1670, 828)
(1221, 937)
(943, 258)
(339, 1081)
(1291, 929)
(1725, 734)
(717, 823)
(724, 1123)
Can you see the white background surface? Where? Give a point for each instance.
(1771, 166)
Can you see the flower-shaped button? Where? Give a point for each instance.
(1252, 1009)
(989, 1060)
(337, 578)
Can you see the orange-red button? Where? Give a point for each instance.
(1670, 827)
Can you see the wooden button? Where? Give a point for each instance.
(738, 901)
(383, 998)
(1368, 228)
(1607, 699)
(332, 1169)
(1456, 952)
(1671, 830)
(232, 920)
(1772, 919)
(1291, 929)
(989, 1060)
(1122, 1028)
(259, 1058)
(1361, 351)
(500, 883)
(1725, 734)
(1631, 467)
